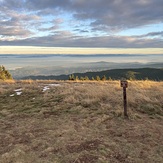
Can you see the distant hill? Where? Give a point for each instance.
(116, 74)
(55, 70)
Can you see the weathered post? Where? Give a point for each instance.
(124, 84)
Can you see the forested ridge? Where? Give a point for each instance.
(115, 74)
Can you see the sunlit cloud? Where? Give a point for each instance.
(76, 23)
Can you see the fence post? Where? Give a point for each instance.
(124, 84)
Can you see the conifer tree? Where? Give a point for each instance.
(103, 78)
(4, 74)
(110, 79)
(98, 78)
(81, 78)
(76, 78)
(130, 75)
(71, 77)
(86, 78)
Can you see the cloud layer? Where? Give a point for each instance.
(81, 23)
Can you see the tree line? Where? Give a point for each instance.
(118, 74)
(129, 75)
(85, 78)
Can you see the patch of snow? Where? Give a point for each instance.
(55, 85)
(18, 93)
(45, 88)
(49, 85)
(12, 95)
(17, 90)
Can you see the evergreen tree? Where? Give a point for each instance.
(103, 78)
(86, 78)
(4, 74)
(146, 78)
(110, 79)
(71, 77)
(81, 78)
(130, 75)
(76, 78)
(98, 78)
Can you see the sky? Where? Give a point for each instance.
(81, 26)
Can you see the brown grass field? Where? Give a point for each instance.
(80, 122)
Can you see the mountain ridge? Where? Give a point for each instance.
(115, 74)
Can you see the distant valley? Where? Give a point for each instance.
(152, 71)
(57, 71)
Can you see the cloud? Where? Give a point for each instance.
(14, 23)
(16, 31)
(55, 25)
(67, 39)
(12, 4)
(81, 30)
(34, 5)
(79, 23)
(58, 21)
(53, 28)
(154, 34)
(113, 14)
(119, 14)
(157, 35)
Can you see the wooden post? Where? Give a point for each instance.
(124, 84)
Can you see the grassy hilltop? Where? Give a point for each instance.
(80, 122)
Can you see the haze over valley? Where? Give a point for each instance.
(52, 64)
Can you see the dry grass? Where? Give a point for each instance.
(81, 122)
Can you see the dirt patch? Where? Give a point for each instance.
(87, 158)
(87, 146)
